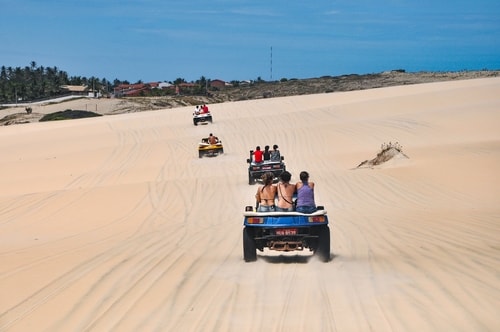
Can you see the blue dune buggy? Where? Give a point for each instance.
(286, 231)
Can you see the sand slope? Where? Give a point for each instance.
(115, 224)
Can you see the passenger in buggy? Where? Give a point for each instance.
(266, 194)
(305, 194)
(266, 154)
(275, 154)
(257, 155)
(285, 193)
(212, 139)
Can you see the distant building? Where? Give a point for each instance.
(218, 84)
(164, 85)
(139, 89)
(81, 90)
(75, 89)
(133, 90)
(188, 85)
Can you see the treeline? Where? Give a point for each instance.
(38, 82)
(33, 83)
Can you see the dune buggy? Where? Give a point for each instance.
(286, 231)
(201, 118)
(205, 149)
(256, 170)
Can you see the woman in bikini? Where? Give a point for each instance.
(266, 194)
(285, 193)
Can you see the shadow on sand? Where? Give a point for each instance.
(291, 259)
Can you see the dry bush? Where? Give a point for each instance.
(387, 152)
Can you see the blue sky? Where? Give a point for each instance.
(161, 40)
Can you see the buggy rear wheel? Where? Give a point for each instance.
(251, 180)
(323, 249)
(249, 248)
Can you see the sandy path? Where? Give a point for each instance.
(115, 224)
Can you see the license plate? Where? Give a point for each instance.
(286, 231)
(266, 167)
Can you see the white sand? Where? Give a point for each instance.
(115, 224)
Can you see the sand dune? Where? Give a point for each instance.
(115, 224)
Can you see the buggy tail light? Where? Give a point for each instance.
(255, 220)
(316, 219)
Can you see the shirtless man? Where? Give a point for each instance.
(212, 139)
(285, 193)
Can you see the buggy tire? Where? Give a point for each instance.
(251, 180)
(249, 248)
(323, 249)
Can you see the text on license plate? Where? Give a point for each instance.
(286, 231)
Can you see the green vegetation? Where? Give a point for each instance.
(68, 114)
(37, 82)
